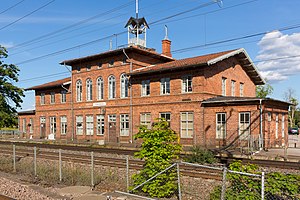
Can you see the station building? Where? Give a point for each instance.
(209, 100)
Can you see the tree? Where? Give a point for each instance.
(159, 149)
(262, 91)
(289, 96)
(10, 95)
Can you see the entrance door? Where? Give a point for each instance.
(112, 133)
(42, 127)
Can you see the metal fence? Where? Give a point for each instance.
(206, 182)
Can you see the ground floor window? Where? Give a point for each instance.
(31, 125)
(186, 124)
(124, 125)
(166, 116)
(221, 125)
(79, 125)
(146, 120)
(63, 125)
(24, 125)
(100, 125)
(244, 125)
(52, 125)
(89, 125)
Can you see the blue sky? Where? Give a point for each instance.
(40, 34)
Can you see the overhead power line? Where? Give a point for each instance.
(27, 15)
(11, 7)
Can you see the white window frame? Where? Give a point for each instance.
(224, 86)
(123, 86)
(78, 90)
(184, 125)
(89, 89)
(165, 88)
(244, 126)
(42, 100)
(63, 96)
(111, 63)
(52, 97)
(282, 125)
(24, 125)
(100, 88)
(124, 125)
(276, 125)
(145, 88)
(221, 126)
(89, 124)
(111, 87)
(162, 114)
(232, 88)
(63, 125)
(145, 119)
(100, 124)
(112, 118)
(31, 125)
(79, 125)
(241, 89)
(187, 84)
(53, 127)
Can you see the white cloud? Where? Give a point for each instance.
(275, 45)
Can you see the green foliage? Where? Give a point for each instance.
(277, 185)
(10, 95)
(201, 156)
(159, 149)
(262, 91)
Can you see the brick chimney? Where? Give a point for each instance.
(166, 47)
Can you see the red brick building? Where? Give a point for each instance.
(208, 100)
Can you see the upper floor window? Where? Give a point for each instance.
(241, 89)
(52, 97)
(224, 86)
(165, 86)
(244, 125)
(100, 89)
(42, 98)
(145, 88)
(187, 84)
(111, 87)
(111, 63)
(233, 88)
(63, 96)
(124, 86)
(89, 90)
(79, 90)
(221, 126)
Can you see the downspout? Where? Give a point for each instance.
(261, 126)
(72, 106)
(130, 101)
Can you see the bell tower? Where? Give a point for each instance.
(137, 29)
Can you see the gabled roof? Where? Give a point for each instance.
(135, 21)
(207, 60)
(139, 50)
(65, 81)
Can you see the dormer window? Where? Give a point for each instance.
(77, 69)
(99, 65)
(124, 61)
(88, 68)
(111, 63)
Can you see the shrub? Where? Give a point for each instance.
(201, 156)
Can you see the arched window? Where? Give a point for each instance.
(124, 86)
(89, 90)
(111, 87)
(100, 88)
(79, 90)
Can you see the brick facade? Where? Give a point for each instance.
(187, 84)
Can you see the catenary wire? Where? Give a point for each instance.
(27, 15)
(11, 7)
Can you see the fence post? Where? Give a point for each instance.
(34, 160)
(92, 169)
(223, 183)
(178, 179)
(263, 185)
(127, 173)
(14, 157)
(60, 165)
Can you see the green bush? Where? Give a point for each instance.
(159, 149)
(201, 156)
